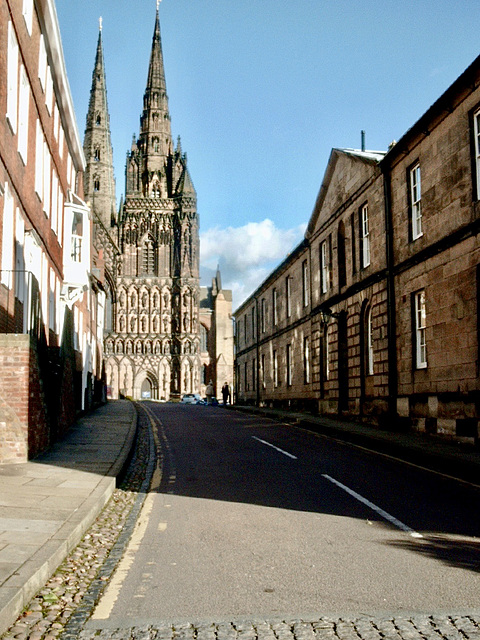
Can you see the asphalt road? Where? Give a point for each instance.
(252, 519)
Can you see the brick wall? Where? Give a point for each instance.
(23, 420)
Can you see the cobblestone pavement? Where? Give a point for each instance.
(394, 628)
(61, 609)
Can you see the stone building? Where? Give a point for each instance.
(216, 336)
(51, 300)
(150, 250)
(375, 314)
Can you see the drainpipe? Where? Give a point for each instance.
(257, 349)
(391, 300)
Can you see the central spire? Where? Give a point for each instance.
(155, 130)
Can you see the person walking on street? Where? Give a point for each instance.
(209, 392)
(225, 393)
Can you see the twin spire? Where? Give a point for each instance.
(155, 129)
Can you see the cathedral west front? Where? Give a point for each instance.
(149, 250)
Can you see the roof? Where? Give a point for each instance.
(462, 87)
(368, 157)
(376, 156)
(48, 13)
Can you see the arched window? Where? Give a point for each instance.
(368, 340)
(148, 257)
(96, 154)
(98, 120)
(96, 184)
(156, 145)
(203, 339)
(156, 190)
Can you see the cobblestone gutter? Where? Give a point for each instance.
(408, 628)
(71, 593)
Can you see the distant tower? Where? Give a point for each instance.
(152, 349)
(99, 177)
(99, 182)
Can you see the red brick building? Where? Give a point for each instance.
(51, 306)
(375, 314)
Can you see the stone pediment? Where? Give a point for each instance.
(348, 172)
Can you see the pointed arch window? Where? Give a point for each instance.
(148, 257)
(203, 339)
(156, 190)
(96, 184)
(96, 154)
(98, 119)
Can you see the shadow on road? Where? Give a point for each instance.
(452, 550)
(216, 454)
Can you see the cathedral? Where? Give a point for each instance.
(148, 250)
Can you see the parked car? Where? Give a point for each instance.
(192, 398)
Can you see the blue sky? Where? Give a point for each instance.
(260, 91)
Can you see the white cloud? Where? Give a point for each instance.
(246, 254)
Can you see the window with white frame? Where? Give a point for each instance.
(7, 236)
(288, 295)
(263, 313)
(61, 140)
(39, 161)
(60, 215)
(275, 307)
(275, 369)
(262, 372)
(44, 286)
(27, 11)
(46, 179)
(20, 284)
(305, 283)
(77, 237)
(56, 121)
(364, 237)
(306, 360)
(289, 365)
(420, 330)
(54, 218)
(324, 264)
(23, 108)
(416, 201)
(12, 78)
(476, 127)
(51, 302)
(49, 90)
(42, 63)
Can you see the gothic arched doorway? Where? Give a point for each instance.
(148, 389)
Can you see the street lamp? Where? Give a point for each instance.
(326, 314)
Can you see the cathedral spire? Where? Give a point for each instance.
(155, 130)
(97, 145)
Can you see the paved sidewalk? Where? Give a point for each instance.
(458, 459)
(47, 504)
